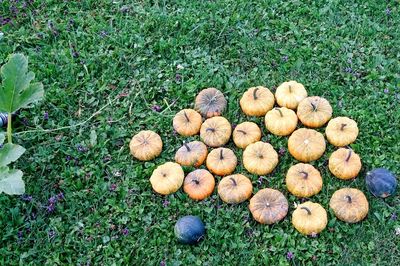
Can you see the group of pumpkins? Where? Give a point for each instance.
(303, 180)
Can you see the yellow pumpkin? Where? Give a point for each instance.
(146, 145)
(215, 131)
(314, 111)
(235, 188)
(341, 131)
(303, 180)
(306, 145)
(221, 161)
(187, 122)
(199, 184)
(167, 178)
(257, 101)
(344, 163)
(246, 133)
(191, 154)
(309, 218)
(281, 121)
(289, 94)
(210, 102)
(349, 205)
(268, 206)
(260, 158)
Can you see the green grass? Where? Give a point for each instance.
(87, 53)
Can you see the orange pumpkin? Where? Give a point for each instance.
(289, 94)
(314, 111)
(221, 161)
(268, 206)
(349, 205)
(260, 158)
(303, 180)
(199, 184)
(215, 131)
(210, 102)
(309, 218)
(257, 101)
(306, 145)
(235, 188)
(341, 131)
(281, 121)
(245, 134)
(167, 178)
(187, 122)
(146, 145)
(191, 154)
(344, 163)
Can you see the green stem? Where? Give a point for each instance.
(9, 128)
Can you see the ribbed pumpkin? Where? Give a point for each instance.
(303, 180)
(314, 111)
(246, 133)
(349, 205)
(257, 101)
(309, 218)
(341, 131)
(268, 206)
(221, 161)
(215, 131)
(344, 163)
(290, 93)
(260, 158)
(167, 178)
(199, 184)
(235, 188)
(191, 154)
(281, 121)
(306, 145)
(210, 102)
(146, 145)
(187, 122)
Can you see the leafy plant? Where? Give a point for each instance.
(16, 92)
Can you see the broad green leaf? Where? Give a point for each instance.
(11, 181)
(17, 91)
(10, 153)
(2, 137)
(93, 138)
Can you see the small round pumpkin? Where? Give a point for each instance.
(344, 163)
(306, 145)
(246, 133)
(221, 161)
(309, 218)
(189, 230)
(268, 206)
(257, 101)
(303, 180)
(145, 145)
(199, 184)
(314, 111)
(210, 102)
(260, 158)
(215, 131)
(349, 205)
(381, 182)
(341, 131)
(167, 178)
(281, 121)
(289, 94)
(235, 188)
(191, 154)
(187, 122)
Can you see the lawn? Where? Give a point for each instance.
(117, 67)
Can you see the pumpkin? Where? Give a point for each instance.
(268, 206)
(341, 131)
(191, 154)
(349, 205)
(187, 122)
(289, 94)
(303, 180)
(257, 101)
(309, 218)
(381, 182)
(260, 158)
(199, 184)
(189, 230)
(235, 188)
(221, 161)
(145, 145)
(306, 145)
(215, 131)
(167, 178)
(344, 163)
(246, 133)
(314, 111)
(281, 121)
(210, 102)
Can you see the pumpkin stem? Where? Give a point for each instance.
(210, 129)
(186, 116)
(307, 209)
(348, 156)
(186, 146)
(280, 112)
(233, 181)
(342, 127)
(255, 93)
(290, 89)
(348, 198)
(221, 156)
(313, 106)
(242, 131)
(195, 181)
(305, 174)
